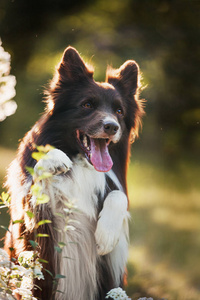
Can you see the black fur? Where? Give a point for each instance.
(72, 87)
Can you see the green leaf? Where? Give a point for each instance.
(43, 260)
(36, 189)
(76, 243)
(68, 257)
(4, 227)
(58, 249)
(9, 292)
(58, 291)
(42, 222)
(61, 244)
(30, 214)
(59, 276)
(45, 148)
(30, 170)
(38, 155)
(13, 259)
(42, 199)
(5, 197)
(60, 215)
(57, 229)
(33, 244)
(49, 272)
(69, 205)
(45, 175)
(37, 287)
(20, 259)
(42, 235)
(18, 221)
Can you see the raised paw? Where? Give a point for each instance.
(110, 223)
(55, 162)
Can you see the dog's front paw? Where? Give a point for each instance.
(110, 223)
(55, 162)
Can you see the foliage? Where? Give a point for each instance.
(16, 279)
(164, 230)
(162, 36)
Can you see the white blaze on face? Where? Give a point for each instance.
(100, 156)
(115, 138)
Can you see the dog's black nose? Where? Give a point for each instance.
(111, 128)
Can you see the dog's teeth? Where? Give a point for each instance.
(85, 141)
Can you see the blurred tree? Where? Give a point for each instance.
(171, 32)
(161, 35)
(22, 21)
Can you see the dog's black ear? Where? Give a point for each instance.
(72, 67)
(126, 78)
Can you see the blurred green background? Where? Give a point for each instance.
(163, 37)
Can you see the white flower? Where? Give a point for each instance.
(38, 273)
(117, 294)
(4, 271)
(25, 293)
(26, 259)
(3, 254)
(5, 61)
(4, 259)
(26, 256)
(18, 270)
(20, 277)
(6, 296)
(144, 298)
(2, 284)
(27, 283)
(7, 86)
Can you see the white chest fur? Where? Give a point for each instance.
(85, 186)
(95, 235)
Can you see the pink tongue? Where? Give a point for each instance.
(100, 157)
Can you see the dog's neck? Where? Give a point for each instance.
(82, 161)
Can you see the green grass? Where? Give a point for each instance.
(164, 229)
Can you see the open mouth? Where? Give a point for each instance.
(96, 151)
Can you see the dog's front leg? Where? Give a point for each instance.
(55, 162)
(112, 221)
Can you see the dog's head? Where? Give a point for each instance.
(94, 116)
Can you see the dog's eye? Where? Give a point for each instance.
(119, 111)
(87, 105)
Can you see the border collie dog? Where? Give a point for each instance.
(90, 125)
